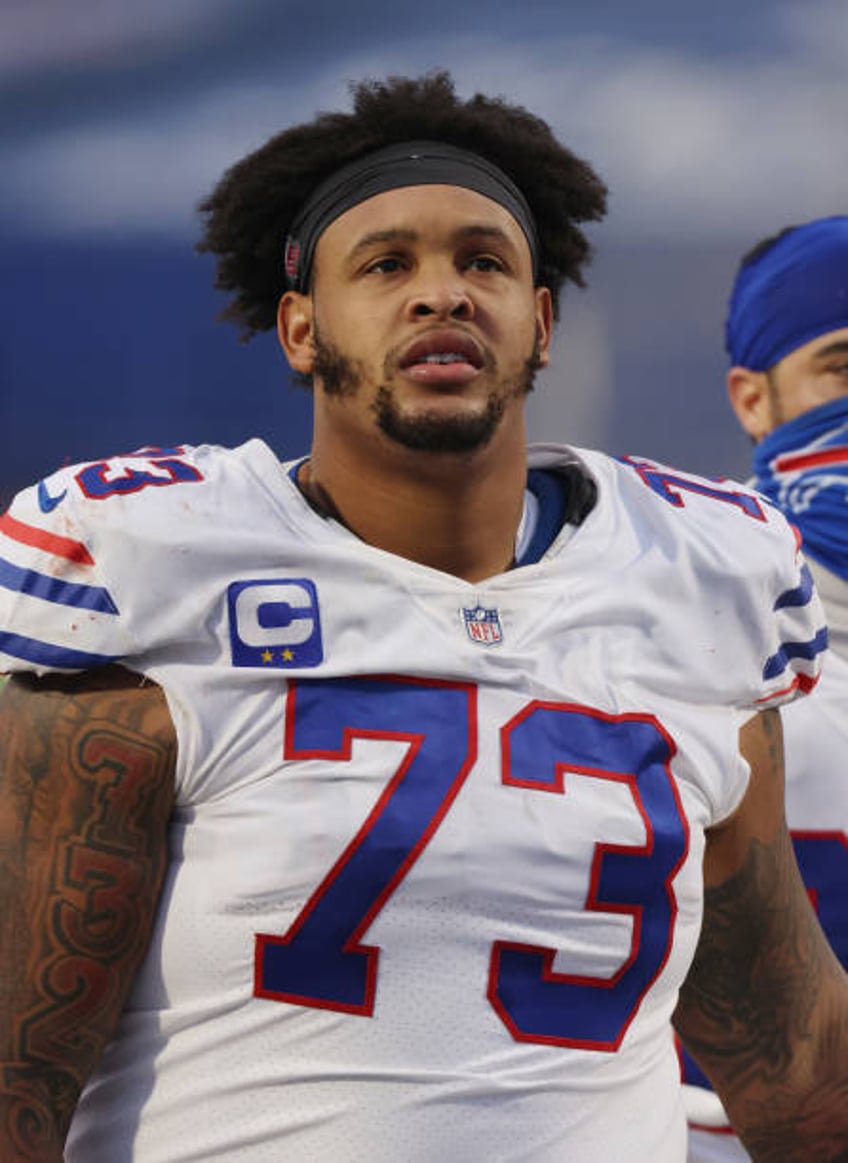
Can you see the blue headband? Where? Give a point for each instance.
(793, 292)
(408, 163)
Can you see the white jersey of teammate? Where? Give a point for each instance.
(815, 734)
(435, 869)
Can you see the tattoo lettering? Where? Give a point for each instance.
(87, 776)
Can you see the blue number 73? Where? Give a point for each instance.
(322, 960)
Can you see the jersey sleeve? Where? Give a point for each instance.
(57, 611)
(739, 596)
(792, 629)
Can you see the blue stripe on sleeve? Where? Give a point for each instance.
(789, 650)
(799, 596)
(46, 654)
(51, 589)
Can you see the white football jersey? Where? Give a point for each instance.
(435, 871)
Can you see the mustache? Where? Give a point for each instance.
(393, 361)
(342, 376)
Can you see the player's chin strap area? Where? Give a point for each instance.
(703, 1108)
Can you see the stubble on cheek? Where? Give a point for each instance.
(340, 376)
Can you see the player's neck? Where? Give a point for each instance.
(460, 518)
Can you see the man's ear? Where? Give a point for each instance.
(295, 331)
(544, 325)
(750, 399)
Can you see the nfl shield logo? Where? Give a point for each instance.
(483, 625)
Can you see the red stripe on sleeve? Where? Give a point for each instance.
(41, 539)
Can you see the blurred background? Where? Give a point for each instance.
(713, 124)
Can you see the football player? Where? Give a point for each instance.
(391, 803)
(787, 339)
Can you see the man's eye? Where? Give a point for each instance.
(385, 266)
(485, 262)
(838, 371)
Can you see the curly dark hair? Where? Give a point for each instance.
(762, 246)
(248, 214)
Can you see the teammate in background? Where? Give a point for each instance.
(380, 822)
(787, 338)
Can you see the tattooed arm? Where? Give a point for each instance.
(86, 785)
(765, 1006)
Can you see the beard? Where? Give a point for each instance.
(425, 431)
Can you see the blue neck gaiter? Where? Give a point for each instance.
(803, 467)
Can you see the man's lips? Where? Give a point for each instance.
(442, 357)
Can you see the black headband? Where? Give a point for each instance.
(408, 163)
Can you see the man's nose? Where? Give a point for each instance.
(442, 295)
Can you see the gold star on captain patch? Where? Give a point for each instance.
(287, 656)
(267, 656)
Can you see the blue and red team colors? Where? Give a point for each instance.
(436, 853)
